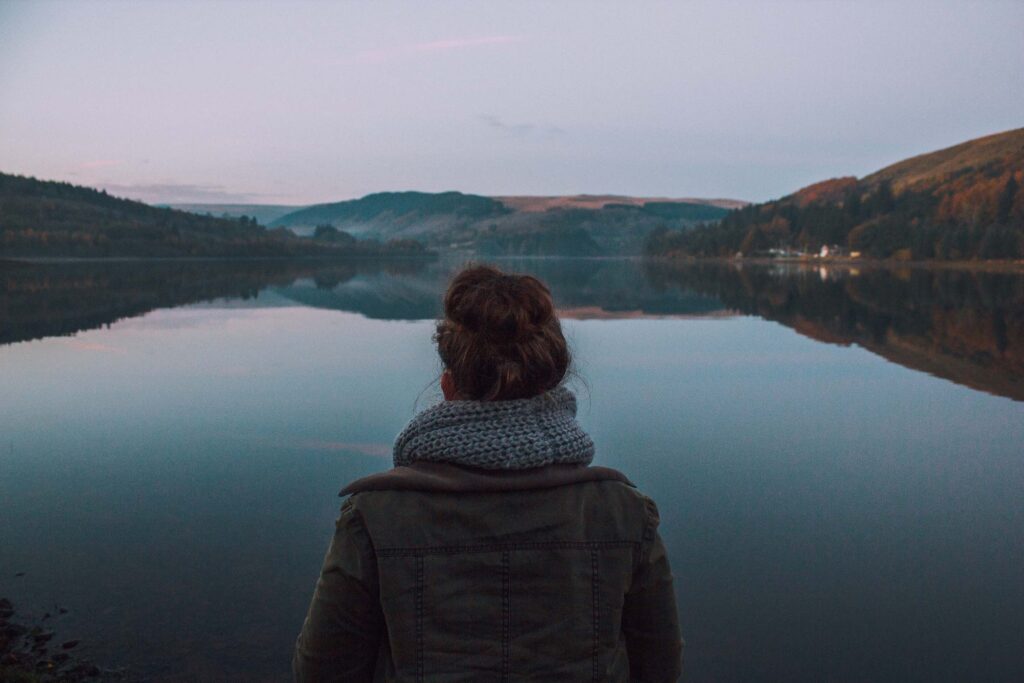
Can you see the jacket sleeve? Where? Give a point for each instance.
(650, 620)
(344, 626)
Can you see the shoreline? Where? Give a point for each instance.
(30, 652)
(994, 265)
(50, 260)
(1001, 265)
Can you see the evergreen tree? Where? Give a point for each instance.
(852, 204)
(1005, 205)
(884, 201)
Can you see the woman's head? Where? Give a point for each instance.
(499, 338)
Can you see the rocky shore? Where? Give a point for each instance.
(31, 653)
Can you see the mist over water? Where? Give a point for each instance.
(835, 454)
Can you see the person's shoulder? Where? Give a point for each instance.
(625, 492)
(438, 477)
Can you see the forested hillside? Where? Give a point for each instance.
(963, 202)
(493, 227)
(54, 219)
(386, 214)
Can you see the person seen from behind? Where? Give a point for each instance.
(493, 550)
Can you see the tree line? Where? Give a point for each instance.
(977, 214)
(47, 218)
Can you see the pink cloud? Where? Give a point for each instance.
(465, 42)
(385, 54)
(101, 163)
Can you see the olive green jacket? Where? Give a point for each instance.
(444, 573)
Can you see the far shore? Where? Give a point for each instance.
(30, 260)
(991, 265)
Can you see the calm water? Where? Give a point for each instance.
(837, 456)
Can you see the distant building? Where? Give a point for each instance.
(785, 252)
(832, 251)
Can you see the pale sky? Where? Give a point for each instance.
(297, 102)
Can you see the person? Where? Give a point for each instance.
(493, 550)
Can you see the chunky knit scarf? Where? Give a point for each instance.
(506, 435)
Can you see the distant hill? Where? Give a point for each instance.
(263, 213)
(962, 202)
(390, 213)
(582, 225)
(40, 218)
(987, 155)
(599, 201)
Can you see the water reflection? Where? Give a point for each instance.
(582, 289)
(967, 327)
(53, 299)
(964, 326)
(818, 502)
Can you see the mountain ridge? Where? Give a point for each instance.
(926, 169)
(571, 225)
(958, 203)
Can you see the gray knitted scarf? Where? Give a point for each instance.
(506, 435)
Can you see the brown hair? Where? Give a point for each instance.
(500, 338)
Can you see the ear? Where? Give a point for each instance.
(448, 386)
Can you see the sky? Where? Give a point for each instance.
(303, 102)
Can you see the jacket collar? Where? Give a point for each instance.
(446, 477)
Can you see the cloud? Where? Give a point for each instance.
(180, 193)
(397, 51)
(101, 163)
(520, 130)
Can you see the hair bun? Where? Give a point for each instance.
(507, 309)
(500, 336)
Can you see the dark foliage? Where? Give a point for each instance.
(45, 218)
(329, 233)
(558, 241)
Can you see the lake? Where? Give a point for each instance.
(836, 453)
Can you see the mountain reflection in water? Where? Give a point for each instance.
(963, 326)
